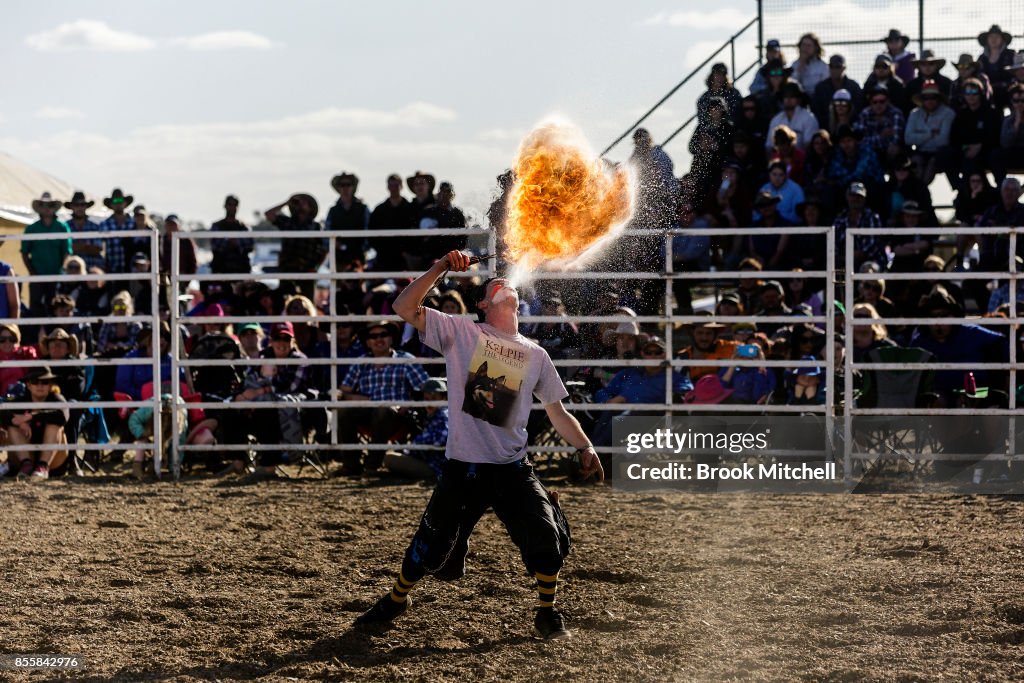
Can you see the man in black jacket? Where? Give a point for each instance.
(837, 80)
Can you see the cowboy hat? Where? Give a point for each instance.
(337, 180)
(59, 334)
(928, 57)
(983, 36)
(78, 199)
(45, 200)
(126, 200)
(709, 389)
(709, 324)
(389, 327)
(929, 87)
(435, 385)
(431, 181)
(965, 60)
(38, 374)
(314, 207)
(896, 34)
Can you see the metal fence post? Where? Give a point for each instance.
(848, 399)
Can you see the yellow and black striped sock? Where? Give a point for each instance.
(547, 586)
(400, 591)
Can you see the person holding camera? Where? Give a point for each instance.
(751, 383)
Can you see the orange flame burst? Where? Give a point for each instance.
(565, 201)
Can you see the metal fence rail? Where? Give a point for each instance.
(832, 410)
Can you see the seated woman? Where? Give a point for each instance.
(118, 338)
(70, 380)
(11, 349)
(42, 426)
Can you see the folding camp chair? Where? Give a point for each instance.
(896, 389)
(90, 423)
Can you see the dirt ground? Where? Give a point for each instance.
(212, 580)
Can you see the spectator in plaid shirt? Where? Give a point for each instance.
(857, 215)
(882, 124)
(299, 255)
(392, 382)
(91, 251)
(854, 161)
(117, 221)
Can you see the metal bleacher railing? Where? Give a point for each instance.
(669, 406)
(831, 411)
(153, 360)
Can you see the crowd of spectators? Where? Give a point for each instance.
(808, 145)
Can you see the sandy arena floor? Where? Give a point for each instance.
(213, 580)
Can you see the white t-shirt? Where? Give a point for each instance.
(492, 378)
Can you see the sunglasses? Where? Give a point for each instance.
(749, 108)
(40, 381)
(972, 92)
(1017, 100)
(281, 339)
(344, 184)
(7, 340)
(117, 200)
(378, 335)
(841, 103)
(928, 98)
(880, 100)
(120, 309)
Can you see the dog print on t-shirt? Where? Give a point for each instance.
(496, 373)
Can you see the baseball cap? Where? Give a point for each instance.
(245, 327)
(773, 44)
(883, 59)
(842, 95)
(837, 60)
(284, 329)
(857, 188)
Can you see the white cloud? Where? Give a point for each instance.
(57, 113)
(226, 40)
(189, 168)
(88, 34)
(726, 17)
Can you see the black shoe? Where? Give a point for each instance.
(383, 611)
(548, 624)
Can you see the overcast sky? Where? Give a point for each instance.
(182, 102)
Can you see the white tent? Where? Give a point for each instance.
(19, 185)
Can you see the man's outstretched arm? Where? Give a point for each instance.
(409, 304)
(570, 430)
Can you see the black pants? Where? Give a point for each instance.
(463, 493)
